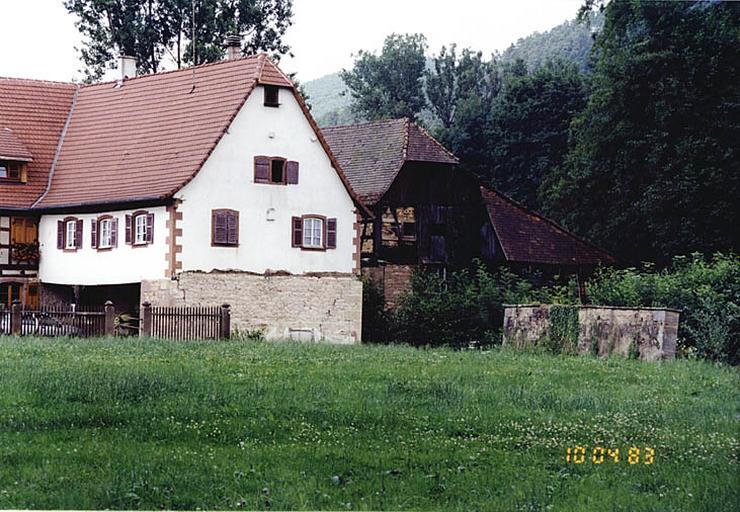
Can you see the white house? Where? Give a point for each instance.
(200, 186)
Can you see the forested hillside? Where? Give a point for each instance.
(569, 41)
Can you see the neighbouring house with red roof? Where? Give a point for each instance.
(200, 186)
(428, 212)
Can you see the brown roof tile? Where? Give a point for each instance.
(143, 140)
(372, 154)
(12, 148)
(527, 237)
(36, 112)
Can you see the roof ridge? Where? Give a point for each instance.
(363, 123)
(38, 80)
(405, 152)
(171, 71)
(542, 217)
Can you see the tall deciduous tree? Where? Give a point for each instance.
(528, 135)
(156, 30)
(460, 90)
(389, 85)
(654, 170)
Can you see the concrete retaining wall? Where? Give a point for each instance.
(602, 330)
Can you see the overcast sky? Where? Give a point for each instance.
(38, 37)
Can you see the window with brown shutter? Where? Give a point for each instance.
(69, 234)
(314, 232)
(106, 237)
(225, 228)
(275, 170)
(140, 228)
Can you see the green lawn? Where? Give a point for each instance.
(244, 425)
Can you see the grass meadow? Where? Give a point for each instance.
(129, 424)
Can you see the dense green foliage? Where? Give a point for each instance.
(464, 308)
(389, 85)
(707, 291)
(113, 424)
(153, 30)
(654, 170)
(467, 307)
(528, 130)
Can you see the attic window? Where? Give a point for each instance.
(277, 170)
(12, 171)
(272, 96)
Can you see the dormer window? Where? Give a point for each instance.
(272, 96)
(12, 171)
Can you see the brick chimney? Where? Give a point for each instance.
(233, 45)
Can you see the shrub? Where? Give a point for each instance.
(465, 308)
(706, 290)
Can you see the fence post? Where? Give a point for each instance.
(145, 322)
(225, 333)
(16, 318)
(110, 319)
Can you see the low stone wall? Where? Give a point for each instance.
(648, 333)
(301, 307)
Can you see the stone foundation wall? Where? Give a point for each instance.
(300, 307)
(602, 330)
(393, 281)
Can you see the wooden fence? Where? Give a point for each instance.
(186, 323)
(58, 321)
(177, 323)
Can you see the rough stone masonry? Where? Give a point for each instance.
(320, 307)
(602, 330)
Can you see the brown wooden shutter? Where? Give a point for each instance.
(331, 233)
(218, 228)
(149, 228)
(93, 233)
(232, 228)
(60, 234)
(114, 232)
(78, 234)
(129, 237)
(297, 232)
(291, 170)
(261, 169)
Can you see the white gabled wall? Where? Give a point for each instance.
(227, 181)
(88, 266)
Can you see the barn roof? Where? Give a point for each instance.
(527, 237)
(372, 154)
(142, 140)
(32, 117)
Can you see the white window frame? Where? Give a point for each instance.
(311, 227)
(140, 227)
(105, 239)
(70, 233)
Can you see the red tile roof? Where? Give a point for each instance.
(12, 148)
(149, 137)
(36, 112)
(527, 237)
(372, 154)
(142, 140)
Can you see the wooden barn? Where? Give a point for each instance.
(429, 212)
